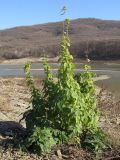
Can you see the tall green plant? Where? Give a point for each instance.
(63, 110)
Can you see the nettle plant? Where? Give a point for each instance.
(64, 110)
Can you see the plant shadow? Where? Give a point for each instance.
(9, 130)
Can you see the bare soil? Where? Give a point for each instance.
(14, 100)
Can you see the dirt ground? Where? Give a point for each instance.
(15, 98)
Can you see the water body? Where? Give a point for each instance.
(110, 69)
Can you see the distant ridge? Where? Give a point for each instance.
(99, 38)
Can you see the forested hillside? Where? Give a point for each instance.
(99, 38)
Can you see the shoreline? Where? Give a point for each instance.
(101, 77)
(54, 60)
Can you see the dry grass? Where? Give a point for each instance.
(5, 105)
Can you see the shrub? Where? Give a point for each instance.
(93, 140)
(63, 110)
(42, 140)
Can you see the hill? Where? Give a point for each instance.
(100, 38)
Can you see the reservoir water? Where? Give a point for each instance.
(102, 68)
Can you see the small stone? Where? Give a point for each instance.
(59, 154)
(118, 121)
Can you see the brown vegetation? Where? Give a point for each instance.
(100, 38)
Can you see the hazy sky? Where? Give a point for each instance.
(28, 12)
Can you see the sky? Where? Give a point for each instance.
(28, 12)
